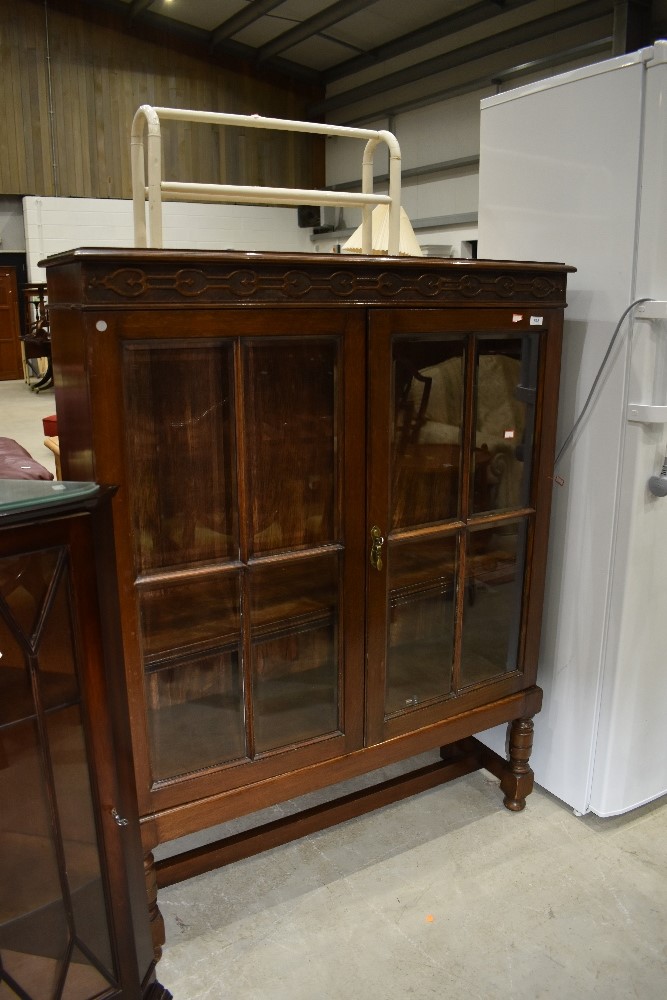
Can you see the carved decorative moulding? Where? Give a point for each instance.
(118, 277)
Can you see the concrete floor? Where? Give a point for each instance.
(445, 895)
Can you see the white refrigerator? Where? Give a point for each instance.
(574, 169)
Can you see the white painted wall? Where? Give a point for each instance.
(53, 225)
(12, 236)
(435, 134)
(443, 131)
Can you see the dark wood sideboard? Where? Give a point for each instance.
(335, 476)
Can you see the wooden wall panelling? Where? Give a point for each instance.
(28, 130)
(9, 106)
(7, 117)
(41, 126)
(120, 151)
(14, 37)
(77, 73)
(100, 73)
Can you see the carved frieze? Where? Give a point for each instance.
(318, 280)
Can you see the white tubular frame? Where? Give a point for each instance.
(148, 117)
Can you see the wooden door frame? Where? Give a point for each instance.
(13, 329)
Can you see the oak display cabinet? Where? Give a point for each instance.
(73, 917)
(334, 488)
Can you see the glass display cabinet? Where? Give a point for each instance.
(73, 917)
(334, 488)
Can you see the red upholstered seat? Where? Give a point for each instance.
(17, 463)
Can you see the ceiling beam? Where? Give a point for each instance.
(542, 27)
(600, 47)
(240, 20)
(137, 6)
(334, 14)
(422, 36)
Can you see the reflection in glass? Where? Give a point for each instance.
(181, 454)
(421, 621)
(428, 415)
(57, 673)
(77, 828)
(24, 585)
(16, 695)
(195, 712)
(492, 608)
(83, 979)
(291, 441)
(191, 633)
(192, 614)
(53, 909)
(26, 589)
(294, 631)
(33, 920)
(506, 380)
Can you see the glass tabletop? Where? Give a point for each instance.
(31, 494)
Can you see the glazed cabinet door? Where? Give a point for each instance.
(452, 510)
(240, 539)
(70, 863)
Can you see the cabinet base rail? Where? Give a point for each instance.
(458, 759)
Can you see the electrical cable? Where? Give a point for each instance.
(568, 439)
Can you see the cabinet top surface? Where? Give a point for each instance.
(121, 277)
(253, 257)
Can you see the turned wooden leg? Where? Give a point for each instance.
(154, 915)
(517, 780)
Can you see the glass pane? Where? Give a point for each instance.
(427, 418)
(33, 924)
(79, 835)
(57, 676)
(24, 582)
(195, 713)
(191, 615)
(294, 629)
(506, 379)
(16, 697)
(292, 442)
(492, 602)
(51, 888)
(181, 454)
(422, 578)
(36, 975)
(83, 979)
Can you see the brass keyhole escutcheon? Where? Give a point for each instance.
(377, 541)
